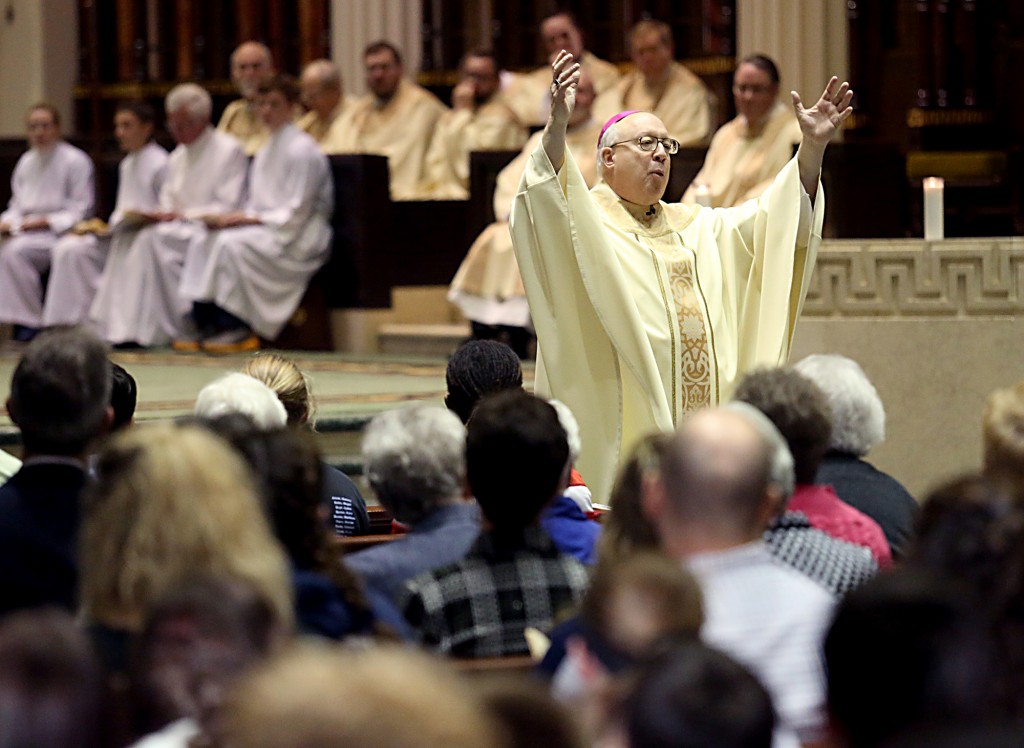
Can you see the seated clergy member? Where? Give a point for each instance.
(667, 304)
(479, 120)
(322, 95)
(748, 151)
(249, 275)
(487, 287)
(79, 257)
(251, 65)
(205, 175)
(661, 86)
(396, 119)
(529, 94)
(51, 190)
(517, 462)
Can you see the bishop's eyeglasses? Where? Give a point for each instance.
(649, 143)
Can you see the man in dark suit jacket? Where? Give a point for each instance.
(60, 400)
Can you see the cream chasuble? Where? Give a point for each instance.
(490, 127)
(316, 126)
(741, 163)
(682, 102)
(528, 93)
(487, 286)
(400, 129)
(239, 120)
(642, 319)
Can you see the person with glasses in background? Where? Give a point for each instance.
(646, 311)
(748, 151)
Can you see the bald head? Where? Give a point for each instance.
(320, 87)
(251, 65)
(716, 475)
(635, 175)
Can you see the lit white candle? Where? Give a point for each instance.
(933, 212)
(702, 194)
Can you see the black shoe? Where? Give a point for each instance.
(128, 345)
(23, 334)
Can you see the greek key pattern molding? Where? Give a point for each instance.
(913, 278)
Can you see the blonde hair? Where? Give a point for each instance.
(170, 503)
(326, 696)
(292, 386)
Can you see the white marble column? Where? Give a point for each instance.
(807, 38)
(38, 60)
(356, 23)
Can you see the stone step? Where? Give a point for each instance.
(438, 339)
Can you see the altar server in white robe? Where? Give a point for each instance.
(206, 175)
(250, 274)
(646, 311)
(79, 256)
(51, 191)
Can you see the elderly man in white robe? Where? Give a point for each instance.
(51, 190)
(206, 175)
(646, 311)
(249, 275)
(79, 256)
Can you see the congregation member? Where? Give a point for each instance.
(342, 499)
(611, 274)
(414, 460)
(248, 275)
(710, 507)
(206, 174)
(60, 402)
(529, 93)
(385, 697)
(51, 191)
(79, 257)
(476, 369)
(660, 85)
(800, 411)
(251, 66)
(858, 426)
(748, 151)
(479, 120)
(487, 287)
(1003, 433)
(395, 119)
(513, 576)
(323, 96)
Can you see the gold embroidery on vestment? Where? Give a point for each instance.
(695, 363)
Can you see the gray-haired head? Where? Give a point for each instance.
(572, 428)
(858, 416)
(240, 393)
(415, 459)
(190, 97)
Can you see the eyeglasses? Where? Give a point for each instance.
(649, 143)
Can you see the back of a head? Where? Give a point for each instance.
(292, 386)
(783, 476)
(198, 636)
(716, 474)
(922, 634)
(516, 457)
(240, 393)
(60, 392)
(799, 410)
(323, 697)
(170, 502)
(123, 396)
(640, 603)
(858, 416)
(50, 683)
(414, 458)
(479, 368)
(1003, 431)
(626, 528)
(528, 716)
(697, 697)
